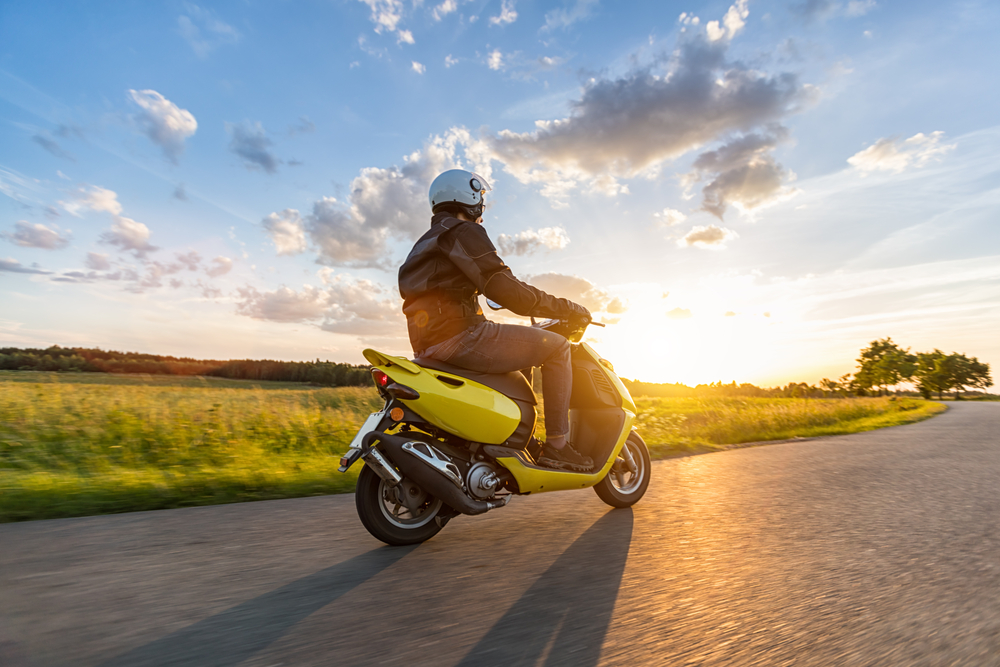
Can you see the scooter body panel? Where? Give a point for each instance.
(619, 387)
(536, 479)
(460, 406)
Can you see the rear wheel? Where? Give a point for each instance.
(628, 478)
(400, 515)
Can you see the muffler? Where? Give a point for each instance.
(436, 475)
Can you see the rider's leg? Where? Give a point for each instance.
(503, 348)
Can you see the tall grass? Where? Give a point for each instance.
(74, 449)
(70, 450)
(677, 425)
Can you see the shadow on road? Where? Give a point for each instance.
(232, 636)
(563, 617)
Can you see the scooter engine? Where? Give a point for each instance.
(482, 482)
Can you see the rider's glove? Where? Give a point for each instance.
(578, 314)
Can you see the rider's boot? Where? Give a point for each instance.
(534, 448)
(565, 458)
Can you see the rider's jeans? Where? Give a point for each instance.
(504, 348)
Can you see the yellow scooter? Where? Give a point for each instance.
(451, 441)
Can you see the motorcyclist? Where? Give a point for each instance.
(440, 282)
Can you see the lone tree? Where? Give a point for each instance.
(883, 364)
(940, 372)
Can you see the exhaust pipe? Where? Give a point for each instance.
(428, 471)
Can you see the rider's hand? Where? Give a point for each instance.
(579, 314)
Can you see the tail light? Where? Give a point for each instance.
(381, 379)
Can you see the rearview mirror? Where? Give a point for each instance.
(493, 304)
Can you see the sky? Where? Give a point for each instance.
(748, 191)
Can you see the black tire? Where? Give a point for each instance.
(374, 514)
(608, 489)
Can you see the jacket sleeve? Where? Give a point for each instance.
(475, 256)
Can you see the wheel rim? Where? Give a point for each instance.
(622, 477)
(400, 515)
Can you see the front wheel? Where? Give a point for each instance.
(401, 515)
(628, 478)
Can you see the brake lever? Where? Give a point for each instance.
(597, 324)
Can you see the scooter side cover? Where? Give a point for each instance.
(627, 403)
(461, 407)
(540, 480)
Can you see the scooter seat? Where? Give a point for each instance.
(511, 385)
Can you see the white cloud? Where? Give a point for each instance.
(418, 68)
(189, 260)
(680, 313)
(20, 188)
(13, 266)
(204, 31)
(529, 241)
(579, 290)
(344, 306)
(222, 266)
(388, 202)
(155, 273)
(669, 217)
(97, 262)
(37, 235)
(495, 60)
(93, 198)
(287, 231)
(743, 173)
(386, 15)
(129, 236)
(283, 304)
(548, 62)
(732, 22)
(631, 126)
(449, 61)
(895, 155)
(445, 8)
(564, 17)
(507, 14)
(166, 124)
(709, 237)
(250, 142)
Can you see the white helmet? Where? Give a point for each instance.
(457, 189)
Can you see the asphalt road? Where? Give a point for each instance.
(879, 548)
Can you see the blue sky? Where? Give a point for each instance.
(748, 191)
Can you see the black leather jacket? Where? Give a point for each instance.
(448, 268)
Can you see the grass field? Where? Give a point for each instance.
(89, 443)
(674, 426)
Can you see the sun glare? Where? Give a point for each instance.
(695, 338)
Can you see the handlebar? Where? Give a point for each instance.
(573, 334)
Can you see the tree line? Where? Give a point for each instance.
(734, 390)
(94, 360)
(884, 365)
